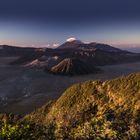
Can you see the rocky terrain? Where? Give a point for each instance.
(71, 66)
(94, 54)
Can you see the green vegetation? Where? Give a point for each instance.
(97, 110)
(14, 128)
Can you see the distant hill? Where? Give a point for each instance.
(24, 59)
(6, 50)
(95, 109)
(43, 62)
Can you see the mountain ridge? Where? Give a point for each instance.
(95, 109)
(108, 110)
(94, 54)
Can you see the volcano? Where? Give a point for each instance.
(72, 66)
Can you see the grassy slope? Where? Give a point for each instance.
(90, 110)
(97, 110)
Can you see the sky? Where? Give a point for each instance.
(48, 23)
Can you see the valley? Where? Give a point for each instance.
(23, 89)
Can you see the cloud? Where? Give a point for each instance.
(45, 45)
(32, 45)
(71, 39)
(55, 45)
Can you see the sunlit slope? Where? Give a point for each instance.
(94, 109)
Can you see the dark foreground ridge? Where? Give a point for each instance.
(90, 110)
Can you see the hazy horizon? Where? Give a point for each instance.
(43, 22)
(128, 47)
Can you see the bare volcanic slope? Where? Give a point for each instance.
(44, 62)
(73, 66)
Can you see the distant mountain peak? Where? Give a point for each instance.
(73, 39)
(71, 43)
